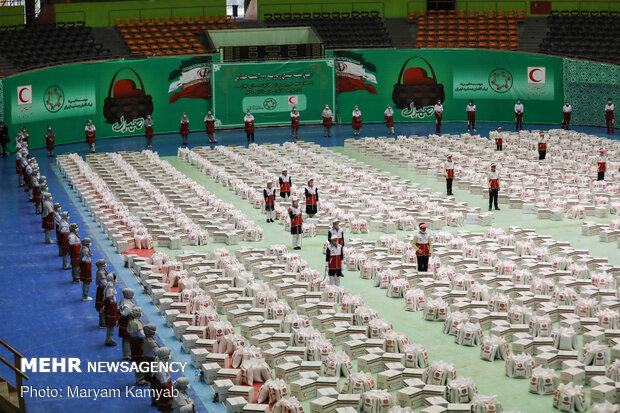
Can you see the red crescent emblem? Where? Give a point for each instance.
(532, 76)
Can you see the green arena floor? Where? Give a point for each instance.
(488, 376)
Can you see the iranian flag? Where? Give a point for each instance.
(192, 80)
(353, 72)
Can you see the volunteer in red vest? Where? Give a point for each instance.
(135, 329)
(50, 138)
(285, 184)
(23, 136)
(148, 131)
(47, 217)
(609, 116)
(64, 230)
(210, 127)
(519, 114)
(601, 164)
(448, 170)
(471, 116)
(161, 381)
(86, 268)
(101, 276)
(336, 232)
(312, 198)
(567, 110)
(438, 108)
(328, 118)
(389, 119)
(184, 128)
(493, 184)
(423, 248)
(333, 261)
(499, 140)
(110, 309)
(248, 120)
(57, 219)
(270, 200)
(294, 123)
(75, 245)
(295, 214)
(124, 309)
(357, 121)
(542, 146)
(90, 132)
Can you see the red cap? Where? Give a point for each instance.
(492, 165)
(500, 128)
(450, 156)
(601, 150)
(423, 226)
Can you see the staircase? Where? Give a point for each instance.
(402, 33)
(11, 400)
(531, 34)
(109, 37)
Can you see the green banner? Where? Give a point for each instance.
(271, 89)
(115, 95)
(587, 86)
(413, 80)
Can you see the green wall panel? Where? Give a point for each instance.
(10, 15)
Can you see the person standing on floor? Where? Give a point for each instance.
(423, 247)
(499, 140)
(294, 123)
(90, 132)
(86, 268)
(333, 261)
(270, 200)
(150, 346)
(601, 164)
(148, 131)
(65, 230)
(542, 146)
(75, 245)
(312, 198)
(184, 128)
(335, 232)
(110, 309)
(101, 279)
(609, 116)
(567, 110)
(161, 381)
(295, 214)
(448, 171)
(438, 108)
(357, 121)
(210, 127)
(388, 115)
(328, 118)
(519, 115)
(285, 184)
(50, 138)
(23, 136)
(182, 403)
(135, 329)
(124, 310)
(248, 120)
(471, 116)
(493, 184)
(57, 219)
(47, 217)
(4, 138)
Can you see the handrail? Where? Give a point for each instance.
(171, 9)
(331, 5)
(15, 369)
(10, 348)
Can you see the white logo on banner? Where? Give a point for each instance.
(24, 95)
(537, 74)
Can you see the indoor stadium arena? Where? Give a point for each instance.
(256, 206)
